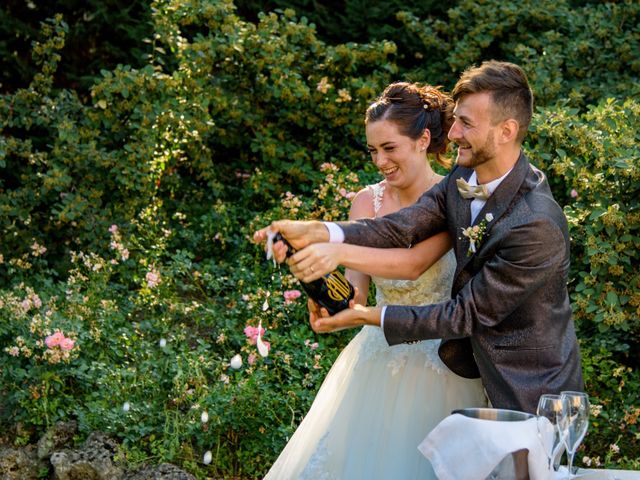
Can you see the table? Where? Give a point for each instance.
(602, 474)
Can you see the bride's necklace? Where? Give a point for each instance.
(432, 181)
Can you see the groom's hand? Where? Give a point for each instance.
(299, 234)
(355, 316)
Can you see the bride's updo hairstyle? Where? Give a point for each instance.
(415, 108)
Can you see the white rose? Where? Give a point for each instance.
(236, 362)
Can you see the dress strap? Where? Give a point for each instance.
(377, 191)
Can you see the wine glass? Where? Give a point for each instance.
(552, 425)
(576, 405)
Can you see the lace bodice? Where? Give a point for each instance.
(432, 286)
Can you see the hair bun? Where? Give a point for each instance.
(432, 98)
(416, 108)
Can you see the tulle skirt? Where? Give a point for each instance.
(375, 406)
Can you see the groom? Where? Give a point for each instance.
(509, 317)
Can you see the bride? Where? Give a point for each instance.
(377, 402)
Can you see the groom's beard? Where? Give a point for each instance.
(483, 154)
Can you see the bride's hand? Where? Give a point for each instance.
(315, 260)
(355, 316)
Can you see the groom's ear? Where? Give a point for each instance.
(509, 130)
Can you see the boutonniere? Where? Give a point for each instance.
(475, 234)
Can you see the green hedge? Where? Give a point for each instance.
(579, 52)
(102, 34)
(593, 162)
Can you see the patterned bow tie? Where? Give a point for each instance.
(472, 191)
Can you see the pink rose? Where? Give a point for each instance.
(251, 359)
(291, 295)
(36, 301)
(113, 229)
(252, 333)
(54, 340)
(67, 344)
(574, 193)
(152, 278)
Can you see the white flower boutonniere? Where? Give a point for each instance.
(475, 234)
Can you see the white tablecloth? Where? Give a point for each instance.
(602, 474)
(465, 448)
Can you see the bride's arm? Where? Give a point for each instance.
(318, 259)
(397, 263)
(361, 207)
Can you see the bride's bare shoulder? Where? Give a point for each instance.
(363, 204)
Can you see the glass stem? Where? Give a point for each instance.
(570, 455)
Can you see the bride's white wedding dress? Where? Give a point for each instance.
(378, 402)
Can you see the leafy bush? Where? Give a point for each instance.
(577, 52)
(154, 333)
(189, 134)
(121, 236)
(102, 34)
(592, 161)
(360, 21)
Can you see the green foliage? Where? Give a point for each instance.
(189, 129)
(360, 21)
(102, 34)
(569, 51)
(154, 334)
(614, 434)
(592, 161)
(177, 270)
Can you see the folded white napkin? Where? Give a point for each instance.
(464, 448)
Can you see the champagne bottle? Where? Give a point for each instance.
(331, 291)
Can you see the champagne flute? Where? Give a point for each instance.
(576, 405)
(552, 425)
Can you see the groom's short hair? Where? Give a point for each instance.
(509, 88)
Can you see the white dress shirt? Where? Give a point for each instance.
(476, 203)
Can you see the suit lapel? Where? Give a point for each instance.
(461, 218)
(502, 197)
(497, 204)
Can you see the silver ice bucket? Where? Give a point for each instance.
(514, 466)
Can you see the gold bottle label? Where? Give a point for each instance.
(337, 286)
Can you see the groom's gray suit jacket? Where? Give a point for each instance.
(509, 297)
